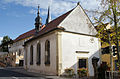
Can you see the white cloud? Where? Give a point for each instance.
(32, 11)
(1, 39)
(58, 7)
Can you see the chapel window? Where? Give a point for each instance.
(31, 55)
(38, 54)
(47, 52)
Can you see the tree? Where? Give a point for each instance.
(5, 42)
(5, 39)
(110, 14)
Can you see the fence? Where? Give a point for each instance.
(108, 75)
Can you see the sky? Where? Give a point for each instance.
(17, 16)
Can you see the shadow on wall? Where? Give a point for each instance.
(84, 66)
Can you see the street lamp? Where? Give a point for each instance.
(110, 50)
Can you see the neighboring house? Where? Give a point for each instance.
(66, 42)
(2, 56)
(5, 59)
(17, 48)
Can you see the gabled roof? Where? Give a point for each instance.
(25, 35)
(54, 23)
(50, 26)
(61, 23)
(75, 17)
(78, 22)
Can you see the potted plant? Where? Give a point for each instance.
(82, 72)
(69, 72)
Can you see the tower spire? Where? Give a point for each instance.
(38, 10)
(38, 21)
(48, 16)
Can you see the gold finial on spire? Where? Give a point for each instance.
(78, 3)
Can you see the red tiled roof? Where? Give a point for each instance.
(50, 26)
(25, 35)
(54, 23)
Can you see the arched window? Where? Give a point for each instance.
(47, 52)
(31, 55)
(38, 55)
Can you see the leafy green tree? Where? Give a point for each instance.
(5, 39)
(110, 14)
(4, 43)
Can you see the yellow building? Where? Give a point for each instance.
(105, 57)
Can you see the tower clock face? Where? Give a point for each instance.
(92, 40)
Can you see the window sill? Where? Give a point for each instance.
(31, 63)
(47, 63)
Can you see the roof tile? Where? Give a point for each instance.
(45, 28)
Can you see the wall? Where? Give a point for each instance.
(49, 70)
(75, 42)
(106, 58)
(15, 48)
(78, 21)
(2, 53)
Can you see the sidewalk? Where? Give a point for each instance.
(23, 71)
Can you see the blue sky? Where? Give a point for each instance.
(17, 16)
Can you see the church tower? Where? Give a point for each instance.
(38, 21)
(48, 16)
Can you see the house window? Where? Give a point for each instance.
(82, 63)
(19, 53)
(47, 52)
(38, 54)
(31, 55)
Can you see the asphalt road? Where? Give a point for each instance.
(8, 74)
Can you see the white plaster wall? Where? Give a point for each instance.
(49, 70)
(15, 47)
(74, 42)
(77, 21)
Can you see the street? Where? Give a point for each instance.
(8, 74)
(21, 73)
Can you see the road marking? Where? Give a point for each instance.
(14, 77)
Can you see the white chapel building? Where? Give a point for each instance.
(66, 42)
